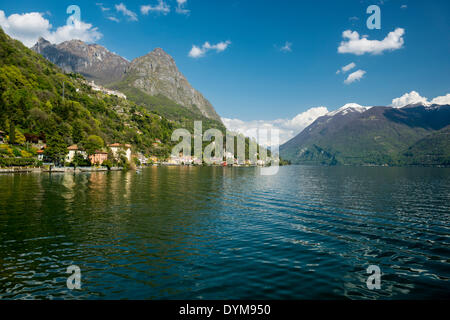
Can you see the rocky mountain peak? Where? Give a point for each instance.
(91, 60)
(157, 73)
(160, 52)
(41, 40)
(41, 44)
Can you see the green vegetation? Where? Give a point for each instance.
(92, 144)
(432, 150)
(56, 149)
(183, 117)
(32, 103)
(380, 136)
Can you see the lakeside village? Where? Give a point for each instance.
(116, 156)
(31, 153)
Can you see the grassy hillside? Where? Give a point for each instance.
(32, 103)
(434, 149)
(167, 108)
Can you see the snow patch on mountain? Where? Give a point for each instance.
(348, 108)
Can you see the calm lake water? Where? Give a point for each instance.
(227, 233)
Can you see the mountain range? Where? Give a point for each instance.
(352, 135)
(356, 135)
(153, 79)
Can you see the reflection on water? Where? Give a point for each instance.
(221, 233)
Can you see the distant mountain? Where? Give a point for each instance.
(433, 149)
(356, 135)
(153, 80)
(91, 60)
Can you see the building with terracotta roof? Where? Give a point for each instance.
(40, 155)
(117, 147)
(98, 157)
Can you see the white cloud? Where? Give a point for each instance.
(79, 30)
(288, 128)
(355, 76)
(181, 7)
(441, 100)
(161, 7)
(408, 98)
(287, 47)
(414, 97)
(198, 52)
(403, 6)
(346, 68)
(355, 44)
(112, 18)
(28, 27)
(127, 13)
(103, 8)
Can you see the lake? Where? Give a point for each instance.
(227, 233)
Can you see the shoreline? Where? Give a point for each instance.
(22, 170)
(56, 170)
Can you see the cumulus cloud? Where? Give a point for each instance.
(409, 98)
(414, 97)
(287, 47)
(442, 100)
(121, 8)
(288, 128)
(198, 52)
(346, 68)
(28, 27)
(181, 4)
(79, 30)
(161, 7)
(355, 76)
(355, 44)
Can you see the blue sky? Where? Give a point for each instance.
(253, 78)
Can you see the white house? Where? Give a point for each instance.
(117, 147)
(73, 150)
(40, 155)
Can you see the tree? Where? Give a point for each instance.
(17, 103)
(79, 161)
(92, 144)
(77, 131)
(56, 149)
